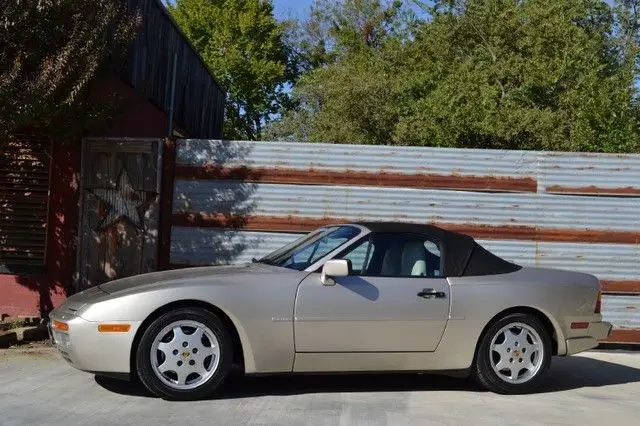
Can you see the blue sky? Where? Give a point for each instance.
(285, 8)
(300, 8)
(291, 8)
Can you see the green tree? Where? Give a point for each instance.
(337, 30)
(50, 52)
(244, 45)
(532, 74)
(351, 52)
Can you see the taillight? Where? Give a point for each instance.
(598, 302)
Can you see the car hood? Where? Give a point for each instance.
(209, 275)
(187, 274)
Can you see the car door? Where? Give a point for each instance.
(394, 300)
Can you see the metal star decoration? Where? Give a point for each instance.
(122, 202)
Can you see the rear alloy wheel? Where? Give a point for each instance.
(514, 355)
(184, 354)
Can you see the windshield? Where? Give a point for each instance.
(307, 250)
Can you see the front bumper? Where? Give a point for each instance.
(597, 331)
(87, 349)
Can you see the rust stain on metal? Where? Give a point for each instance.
(486, 232)
(623, 336)
(594, 190)
(207, 220)
(350, 177)
(620, 286)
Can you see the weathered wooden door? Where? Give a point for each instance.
(119, 207)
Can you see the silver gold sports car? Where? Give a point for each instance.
(354, 297)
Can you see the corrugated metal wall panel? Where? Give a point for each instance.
(605, 174)
(564, 210)
(201, 246)
(621, 311)
(416, 205)
(606, 261)
(343, 157)
(213, 246)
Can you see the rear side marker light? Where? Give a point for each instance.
(579, 325)
(58, 325)
(598, 303)
(114, 328)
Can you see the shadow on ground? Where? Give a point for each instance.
(566, 374)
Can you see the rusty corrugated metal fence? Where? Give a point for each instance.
(238, 200)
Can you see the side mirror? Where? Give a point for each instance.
(333, 269)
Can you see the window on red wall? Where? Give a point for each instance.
(25, 167)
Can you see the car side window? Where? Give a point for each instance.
(360, 256)
(395, 255)
(313, 248)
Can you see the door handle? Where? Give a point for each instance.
(428, 293)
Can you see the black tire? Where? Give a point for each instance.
(483, 370)
(144, 363)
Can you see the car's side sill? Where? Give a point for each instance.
(580, 344)
(459, 373)
(316, 362)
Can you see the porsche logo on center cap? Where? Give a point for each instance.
(185, 354)
(516, 352)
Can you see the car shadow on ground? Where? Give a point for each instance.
(566, 374)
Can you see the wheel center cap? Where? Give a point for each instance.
(186, 354)
(516, 352)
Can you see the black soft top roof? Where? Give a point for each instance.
(461, 254)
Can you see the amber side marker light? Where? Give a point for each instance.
(60, 326)
(579, 325)
(114, 328)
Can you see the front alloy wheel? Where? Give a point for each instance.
(184, 354)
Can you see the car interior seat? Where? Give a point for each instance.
(391, 262)
(414, 259)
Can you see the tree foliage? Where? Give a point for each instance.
(50, 52)
(244, 45)
(532, 74)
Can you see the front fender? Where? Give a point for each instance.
(262, 313)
